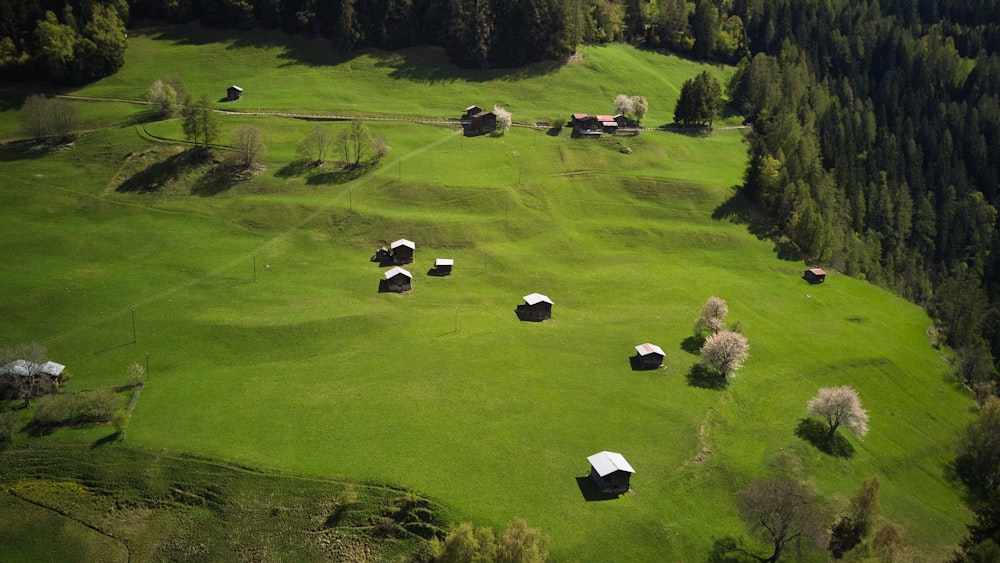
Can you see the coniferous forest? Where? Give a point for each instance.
(876, 125)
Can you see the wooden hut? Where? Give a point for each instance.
(443, 266)
(537, 307)
(610, 472)
(472, 110)
(483, 122)
(607, 123)
(584, 125)
(649, 356)
(234, 93)
(814, 275)
(402, 251)
(398, 280)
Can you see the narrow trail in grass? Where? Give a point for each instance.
(68, 516)
(350, 186)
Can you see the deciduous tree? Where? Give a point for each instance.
(316, 145)
(782, 512)
(840, 406)
(713, 316)
(503, 119)
(725, 351)
(48, 118)
(163, 96)
(249, 146)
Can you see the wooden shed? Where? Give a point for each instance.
(537, 307)
(814, 275)
(610, 472)
(483, 122)
(607, 123)
(649, 356)
(585, 125)
(443, 266)
(471, 110)
(402, 251)
(234, 92)
(398, 280)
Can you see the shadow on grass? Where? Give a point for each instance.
(218, 179)
(730, 550)
(109, 439)
(590, 491)
(700, 376)
(818, 434)
(341, 176)
(156, 175)
(739, 209)
(692, 344)
(295, 168)
(25, 150)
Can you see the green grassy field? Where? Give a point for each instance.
(302, 366)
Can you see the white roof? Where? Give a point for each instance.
(609, 462)
(403, 242)
(52, 368)
(395, 271)
(236, 87)
(20, 367)
(537, 298)
(444, 262)
(647, 348)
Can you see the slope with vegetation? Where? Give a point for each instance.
(257, 310)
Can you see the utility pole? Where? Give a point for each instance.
(132, 309)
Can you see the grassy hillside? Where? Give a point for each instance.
(303, 366)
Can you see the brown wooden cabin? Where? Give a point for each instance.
(234, 93)
(443, 266)
(402, 251)
(610, 472)
(483, 122)
(607, 123)
(471, 110)
(814, 275)
(537, 307)
(398, 280)
(38, 379)
(585, 125)
(649, 356)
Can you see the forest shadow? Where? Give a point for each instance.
(432, 65)
(295, 48)
(729, 549)
(818, 434)
(740, 209)
(705, 378)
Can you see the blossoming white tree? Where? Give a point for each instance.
(725, 351)
(503, 119)
(840, 406)
(713, 316)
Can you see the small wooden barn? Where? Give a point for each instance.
(537, 307)
(814, 275)
(607, 123)
(649, 356)
(402, 251)
(398, 280)
(584, 125)
(234, 92)
(443, 266)
(37, 378)
(610, 472)
(472, 110)
(483, 122)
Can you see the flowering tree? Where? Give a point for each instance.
(503, 119)
(639, 107)
(713, 316)
(840, 406)
(725, 351)
(623, 105)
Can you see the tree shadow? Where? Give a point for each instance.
(158, 174)
(342, 176)
(692, 344)
(590, 491)
(216, 180)
(109, 439)
(25, 150)
(705, 378)
(818, 434)
(295, 168)
(729, 549)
